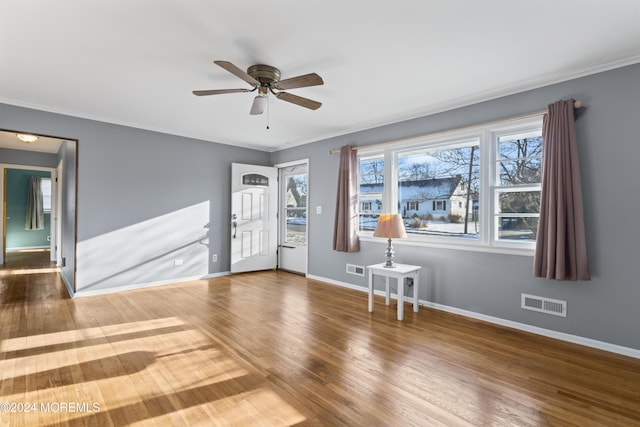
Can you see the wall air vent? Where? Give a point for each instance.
(358, 270)
(544, 305)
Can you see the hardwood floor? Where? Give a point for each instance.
(274, 348)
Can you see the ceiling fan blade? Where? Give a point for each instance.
(298, 100)
(259, 102)
(237, 72)
(311, 79)
(218, 91)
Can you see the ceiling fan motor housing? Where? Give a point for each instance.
(265, 74)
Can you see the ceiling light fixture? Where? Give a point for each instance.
(26, 138)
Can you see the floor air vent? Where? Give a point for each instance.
(544, 305)
(358, 270)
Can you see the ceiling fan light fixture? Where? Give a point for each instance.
(26, 138)
(259, 104)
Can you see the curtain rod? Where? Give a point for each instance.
(576, 105)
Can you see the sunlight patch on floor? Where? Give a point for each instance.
(162, 370)
(75, 335)
(22, 271)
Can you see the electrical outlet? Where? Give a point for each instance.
(177, 262)
(214, 258)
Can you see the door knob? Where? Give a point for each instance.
(234, 224)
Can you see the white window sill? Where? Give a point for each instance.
(475, 247)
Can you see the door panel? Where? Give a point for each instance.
(253, 217)
(293, 214)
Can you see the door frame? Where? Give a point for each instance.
(280, 166)
(3, 194)
(58, 200)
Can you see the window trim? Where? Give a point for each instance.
(486, 135)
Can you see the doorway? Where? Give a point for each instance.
(293, 216)
(58, 157)
(29, 228)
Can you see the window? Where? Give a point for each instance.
(478, 187)
(370, 188)
(440, 205)
(435, 177)
(45, 187)
(296, 207)
(517, 190)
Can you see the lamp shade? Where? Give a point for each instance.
(390, 226)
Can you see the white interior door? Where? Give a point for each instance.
(254, 224)
(293, 218)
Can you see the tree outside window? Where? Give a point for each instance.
(519, 166)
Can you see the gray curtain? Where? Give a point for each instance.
(561, 249)
(345, 228)
(35, 209)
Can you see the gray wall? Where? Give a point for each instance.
(28, 158)
(604, 308)
(144, 199)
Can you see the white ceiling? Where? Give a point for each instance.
(42, 144)
(136, 62)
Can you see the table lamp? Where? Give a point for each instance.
(390, 226)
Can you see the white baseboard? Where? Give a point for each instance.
(67, 284)
(88, 293)
(588, 342)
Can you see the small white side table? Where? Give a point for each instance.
(400, 272)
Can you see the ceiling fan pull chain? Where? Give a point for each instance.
(268, 110)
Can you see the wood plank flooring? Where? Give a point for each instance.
(277, 349)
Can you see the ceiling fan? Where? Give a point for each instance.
(265, 79)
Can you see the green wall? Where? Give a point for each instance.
(17, 188)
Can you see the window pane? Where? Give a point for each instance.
(371, 186)
(519, 202)
(438, 190)
(296, 208)
(296, 226)
(45, 186)
(520, 159)
(371, 170)
(370, 208)
(517, 229)
(297, 190)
